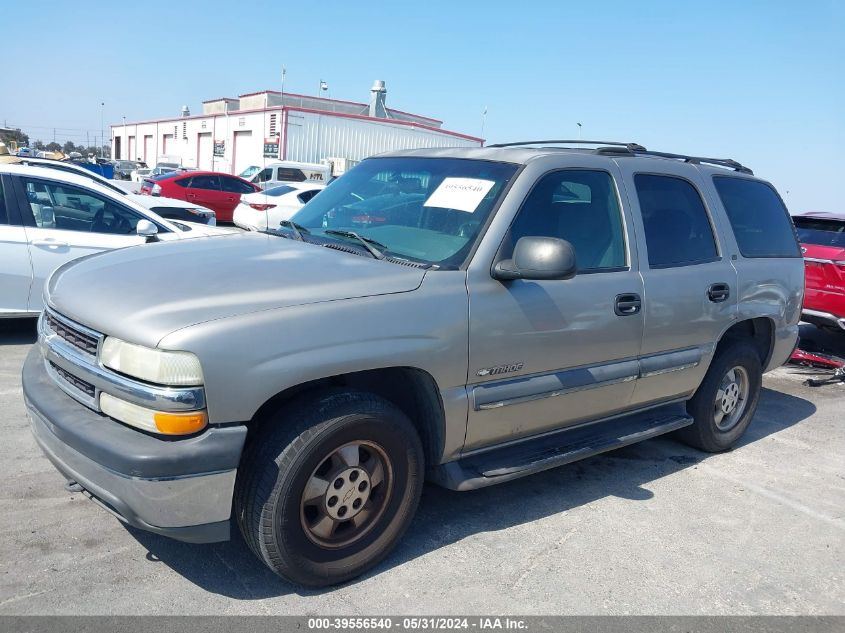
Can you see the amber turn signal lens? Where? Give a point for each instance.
(180, 423)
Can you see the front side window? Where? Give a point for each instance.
(428, 210)
(579, 206)
(66, 207)
(759, 219)
(205, 182)
(677, 227)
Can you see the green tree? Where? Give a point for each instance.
(53, 147)
(8, 136)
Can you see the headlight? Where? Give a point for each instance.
(158, 366)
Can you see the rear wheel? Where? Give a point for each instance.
(330, 487)
(726, 400)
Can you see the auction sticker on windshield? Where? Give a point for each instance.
(461, 194)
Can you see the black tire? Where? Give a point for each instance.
(300, 439)
(705, 433)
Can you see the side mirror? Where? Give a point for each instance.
(147, 230)
(538, 258)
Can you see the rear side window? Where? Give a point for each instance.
(290, 175)
(760, 221)
(233, 185)
(183, 182)
(677, 227)
(205, 182)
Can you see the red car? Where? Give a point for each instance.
(822, 237)
(219, 192)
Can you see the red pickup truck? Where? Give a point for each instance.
(822, 237)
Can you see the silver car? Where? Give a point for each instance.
(466, 316)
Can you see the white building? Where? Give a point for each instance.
(233, 134)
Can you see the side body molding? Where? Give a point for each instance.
(527, 388)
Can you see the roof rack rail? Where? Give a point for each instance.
(630, 146)
(697, 160)
(632, 149)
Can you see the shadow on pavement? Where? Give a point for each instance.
(445, 517)
(17, 331)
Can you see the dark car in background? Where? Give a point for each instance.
(216, 191)
(822, 237)
(123, 168)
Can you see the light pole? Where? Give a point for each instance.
(323, 87)
(125, 140)
(579, 131)
(483, 119)
(102, 108)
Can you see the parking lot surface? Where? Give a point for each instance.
(655, 528)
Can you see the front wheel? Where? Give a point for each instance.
(726, 400)
(330, 487)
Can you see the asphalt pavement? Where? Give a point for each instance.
(655, 528)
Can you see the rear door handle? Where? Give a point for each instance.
(627, 304)
(719, 292)
(49, 242)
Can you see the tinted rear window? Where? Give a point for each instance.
(820, 231)
(279, 191)
(760, 221)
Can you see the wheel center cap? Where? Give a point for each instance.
(347, 493)
(731, 397)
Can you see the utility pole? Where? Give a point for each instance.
(102, 107)
(579, 131)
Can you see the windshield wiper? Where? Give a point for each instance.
(296, 229)
(366, 242)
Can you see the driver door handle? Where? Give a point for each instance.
(627, 304)
(49, 242)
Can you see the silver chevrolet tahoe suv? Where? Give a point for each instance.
(466, 316)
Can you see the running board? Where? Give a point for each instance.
(559, 448)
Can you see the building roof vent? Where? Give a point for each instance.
(186, 111)
(378, 96)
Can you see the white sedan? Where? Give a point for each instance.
(49, 217)
(264, 210)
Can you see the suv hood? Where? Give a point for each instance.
(143, 293)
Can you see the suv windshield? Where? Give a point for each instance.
(429, 210)
(820, 231)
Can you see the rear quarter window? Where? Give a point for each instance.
(758, 217)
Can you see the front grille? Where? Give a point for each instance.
(85, 387)
(78, 339)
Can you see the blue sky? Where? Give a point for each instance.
(762, 82)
